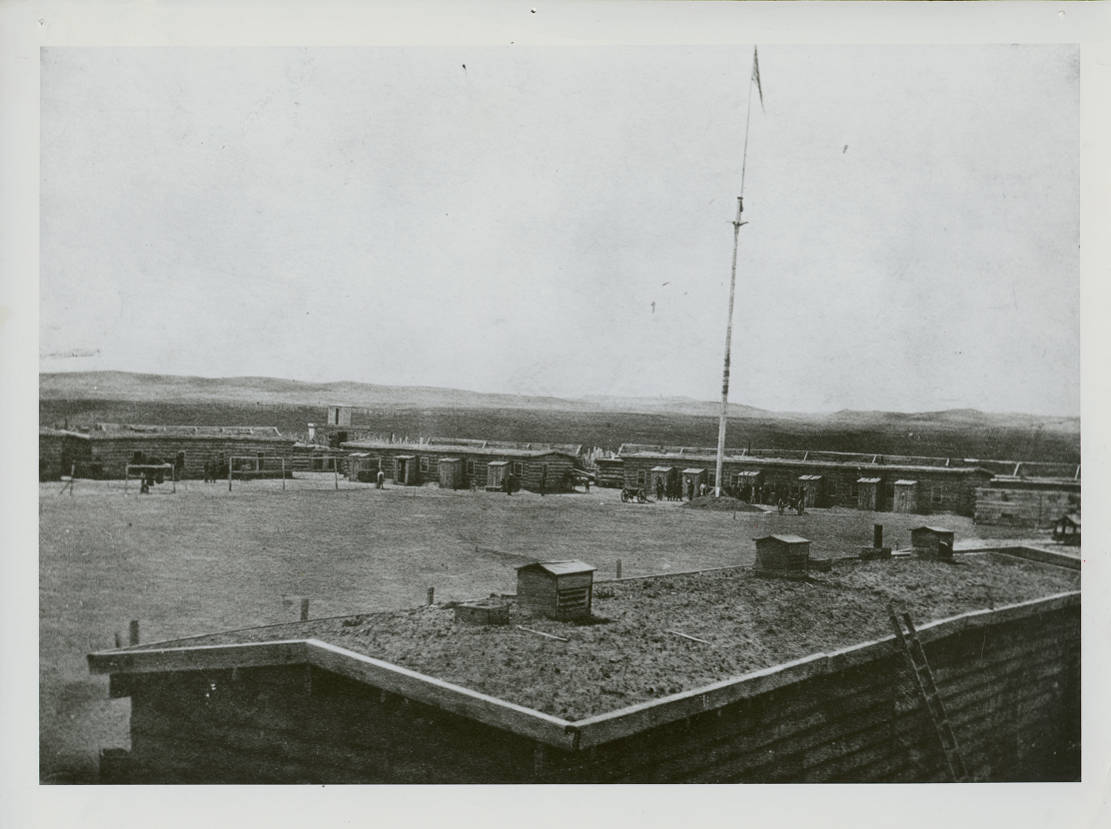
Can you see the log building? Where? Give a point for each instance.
(306, 703)
(475, 463)
(105, 449)
(1018, 501)
(824, 479)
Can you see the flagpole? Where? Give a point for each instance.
(737, 224)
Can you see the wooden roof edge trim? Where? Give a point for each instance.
(624, 722)
(526, 722)
(198, 657)
(537, 725)
(1054, 558)
(490, 710)
(929, 631)
(811, 463)
(633, 719)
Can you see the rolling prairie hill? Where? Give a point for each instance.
(85, 398)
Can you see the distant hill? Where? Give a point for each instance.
(85, 398)
(120, 385)
(274, 392)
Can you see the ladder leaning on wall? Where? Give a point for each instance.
(907, 638)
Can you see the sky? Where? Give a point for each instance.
(557, 220)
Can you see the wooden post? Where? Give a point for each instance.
(877, 535)
(229, 474)
(619, 568)
(133, 632)
(335, 471)
(173, 479)
(119, 640)
(431, 594)
(283, 474)
(304, 610)
(73, 478)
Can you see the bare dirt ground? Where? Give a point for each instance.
(204, 560)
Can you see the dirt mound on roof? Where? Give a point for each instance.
(724, 504)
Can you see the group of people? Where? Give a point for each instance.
(793, 498)
(672, 490)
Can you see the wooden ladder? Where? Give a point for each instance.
(907, 638)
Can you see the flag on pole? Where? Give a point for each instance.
(756, 77)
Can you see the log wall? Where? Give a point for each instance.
(474, 465)
(1025, 507)
(938, 491)
(112, 454)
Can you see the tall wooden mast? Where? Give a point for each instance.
(737, 224)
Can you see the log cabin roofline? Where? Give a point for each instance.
(174, 436)
(571, 735)
(454, 449)
(1011, 481)
(50, 431)
(122, 431)
(709, 457)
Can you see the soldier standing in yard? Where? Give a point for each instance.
(659, 489)
(379, 479)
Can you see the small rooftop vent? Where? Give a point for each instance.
(782, 555)
(559, 589)
(932, 542)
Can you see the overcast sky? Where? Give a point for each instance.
(557, 220)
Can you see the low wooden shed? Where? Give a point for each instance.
(662, 477)
(496, 474)
(746, 481)
(406, 470)
(451, 473)
(782, 552)
(813, 490)
(693, 479)
(906, 496)
(559, 589)
(1067, 530)
(932, 542)
(610, 472)
(869, 495)
(363, 466)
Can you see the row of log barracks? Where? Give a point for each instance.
(993, 491)
(895, 483)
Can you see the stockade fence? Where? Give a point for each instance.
(253, 467)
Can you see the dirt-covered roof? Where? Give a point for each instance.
(638, 646)
(463, 448)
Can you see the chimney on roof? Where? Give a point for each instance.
(491, 611)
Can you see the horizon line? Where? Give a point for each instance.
(584, 397)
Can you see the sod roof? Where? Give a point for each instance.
(656, 636)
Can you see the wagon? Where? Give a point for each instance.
(634, 494)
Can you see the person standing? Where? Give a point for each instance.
(379, 479)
